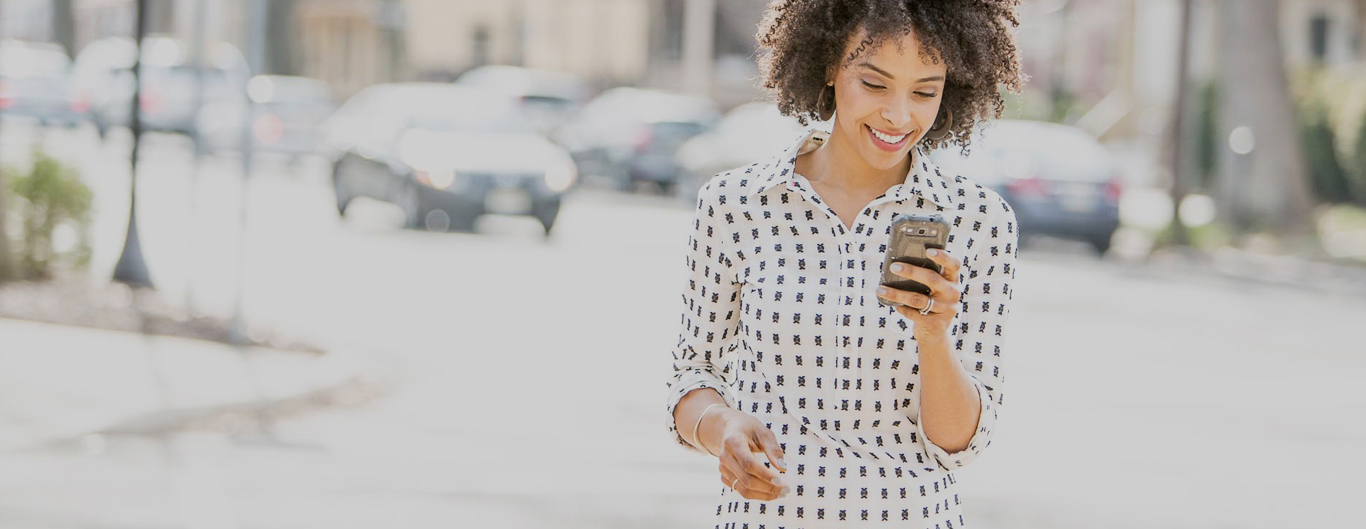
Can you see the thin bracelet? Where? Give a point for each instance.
(699, 423)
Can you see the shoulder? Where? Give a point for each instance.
(990, 213)
(730, 188)
(975, 198)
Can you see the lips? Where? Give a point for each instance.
(884, 145)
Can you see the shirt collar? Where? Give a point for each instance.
(923, 178)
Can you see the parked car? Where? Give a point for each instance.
(548, 98)
(1059, 180)
(35, 83)
(629, 135)
(288, 116)
(446, 154)
(103, 77)
(747, 133)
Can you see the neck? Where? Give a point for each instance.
(838, 163)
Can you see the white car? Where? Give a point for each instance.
(748, 133)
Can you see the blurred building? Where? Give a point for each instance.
(1328, 32)
(1080, 53)
(354, 43)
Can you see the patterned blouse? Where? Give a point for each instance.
(779, 316)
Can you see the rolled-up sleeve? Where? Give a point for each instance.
(710, 310)
(979, 336)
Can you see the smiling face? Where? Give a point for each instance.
(886, 99)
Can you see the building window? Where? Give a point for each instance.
(1318, 37)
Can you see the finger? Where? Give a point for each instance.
(769, 443)
(914, 300)
(746, 490)
(752, 474)
(728, 477)
(913, 313)
(908, 312)
(949, 263)
(939, 285)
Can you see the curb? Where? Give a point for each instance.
(1274, 271)
(337, 374)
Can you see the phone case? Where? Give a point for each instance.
(911, 236)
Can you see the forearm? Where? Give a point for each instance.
(949, 404)
(690, 407)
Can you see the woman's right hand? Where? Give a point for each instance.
(742, 437)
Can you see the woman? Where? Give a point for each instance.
(822, 406)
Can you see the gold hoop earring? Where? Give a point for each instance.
(941, 127)
(820, 105)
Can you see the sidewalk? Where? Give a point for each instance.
(59, 382)
(1269, 270)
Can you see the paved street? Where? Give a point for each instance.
(525, 376)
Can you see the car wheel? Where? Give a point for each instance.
(668, 189)
(411, 202)
(1101, 244)
(343, 198)
(463, 222)
(339, 189)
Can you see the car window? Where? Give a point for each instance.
(462, 111)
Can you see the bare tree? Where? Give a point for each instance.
(1263, 182)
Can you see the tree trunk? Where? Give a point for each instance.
(280, 39)
(64, 25)
(1264, 187)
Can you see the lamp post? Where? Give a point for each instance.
(255, 44)
(1179, 136)
(131, 268)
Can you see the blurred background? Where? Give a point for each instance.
(413, 263)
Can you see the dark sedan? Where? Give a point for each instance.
(629, 136)
(446, 154)
(1060, 181)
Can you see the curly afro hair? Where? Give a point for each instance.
(801, 40)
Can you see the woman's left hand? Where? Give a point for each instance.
(943, 288)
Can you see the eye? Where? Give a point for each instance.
(873, 86)
(926, 95)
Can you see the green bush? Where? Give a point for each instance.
(1358, 166)
(1207, 136)
(1330, 181)
(49, 196)
(6, 265)
(1322, 100)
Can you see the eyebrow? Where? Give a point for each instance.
(889, 76)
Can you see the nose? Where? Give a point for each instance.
(898, 114)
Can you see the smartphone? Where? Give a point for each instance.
(911, 236)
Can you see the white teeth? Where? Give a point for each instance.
(886, 138)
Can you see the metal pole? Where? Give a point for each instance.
(699, 34)
(131, 268)
(5, 269)
(200, 26)
(255, 38)
(1179, 134)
